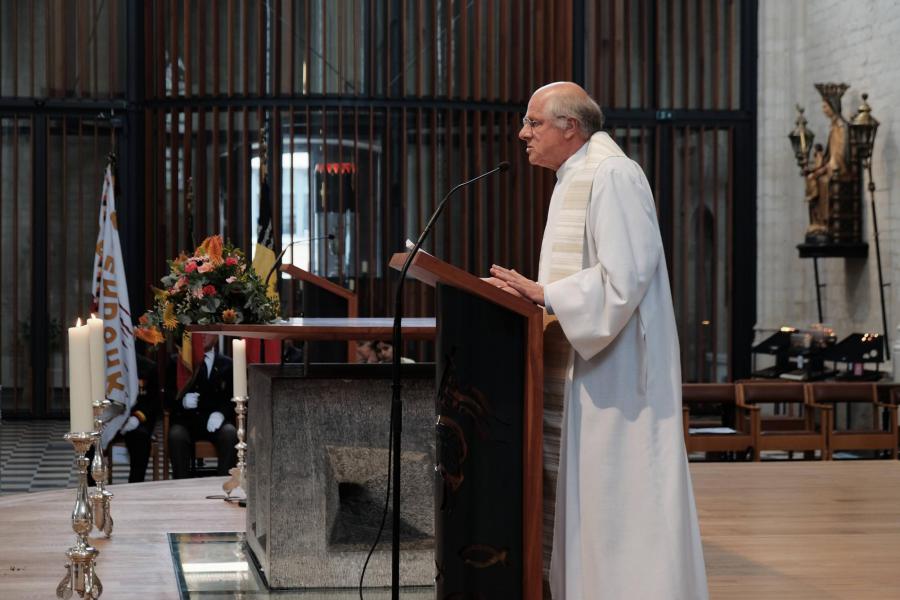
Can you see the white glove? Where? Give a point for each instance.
(215, 421)
(190, 400)
(131, 424)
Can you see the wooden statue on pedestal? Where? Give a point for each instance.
(834, 186)
(833, 190)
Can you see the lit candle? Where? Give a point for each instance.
(81, 413)
(98, 359)
(239, 367)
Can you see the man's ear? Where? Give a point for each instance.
(571, 129)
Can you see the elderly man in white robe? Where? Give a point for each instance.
(624, 525)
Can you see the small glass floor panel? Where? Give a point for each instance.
(219, 566)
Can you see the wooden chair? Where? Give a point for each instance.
(873, 438)
(893, 397)
(712, 405)
(810, 436)
(202, 448)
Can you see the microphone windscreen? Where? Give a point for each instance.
(504, 166)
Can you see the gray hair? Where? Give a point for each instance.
(580, 107)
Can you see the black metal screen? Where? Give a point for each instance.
(371, 110)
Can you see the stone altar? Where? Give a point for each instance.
(317, 473)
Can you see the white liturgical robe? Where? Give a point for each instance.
(625, 521)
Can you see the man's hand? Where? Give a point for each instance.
(215, 421)
(502, 285)
(190, 400)
(131, 424)
(519, 284)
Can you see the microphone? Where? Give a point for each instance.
(396, 401)
(503, 167)
(278, 258)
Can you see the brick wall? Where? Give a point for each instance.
(802, 43)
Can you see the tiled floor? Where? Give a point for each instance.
(35, 457)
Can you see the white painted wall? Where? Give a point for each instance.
(803, 42)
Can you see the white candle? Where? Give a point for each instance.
(98, 359)
(239, 367)
(81, 414)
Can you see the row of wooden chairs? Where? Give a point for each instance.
(801, 418)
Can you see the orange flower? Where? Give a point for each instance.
(151, 335)
(212, 246)
(229, 315)
(180, 260)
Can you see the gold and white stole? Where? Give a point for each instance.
(567, 258)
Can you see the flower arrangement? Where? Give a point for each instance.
(214, 285)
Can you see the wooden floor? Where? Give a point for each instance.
(800, 530)
(36, 530)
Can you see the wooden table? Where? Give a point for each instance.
(798, 531)
(327, 328)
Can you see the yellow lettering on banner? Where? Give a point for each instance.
(113, 378)
(113, 381)
(110, 264)
(110, 309)
(111, 360)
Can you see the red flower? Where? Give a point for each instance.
(231, 261)
(190, 267)
(209, 290)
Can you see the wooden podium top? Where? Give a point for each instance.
(303, 275)
(326, 328)
(431, 271)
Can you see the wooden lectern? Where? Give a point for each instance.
(489, 403)
(323, 298)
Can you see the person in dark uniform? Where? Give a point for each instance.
(203, 410)
(138, 428)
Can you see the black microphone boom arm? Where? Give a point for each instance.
(397, 403)
(278, 258)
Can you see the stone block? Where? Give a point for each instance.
(317, 474)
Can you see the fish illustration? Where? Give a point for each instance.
(456, 433)
(454, 481)
(465, 400)
(482, 556)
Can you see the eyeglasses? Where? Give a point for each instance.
(526, 122)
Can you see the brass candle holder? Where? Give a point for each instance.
(101, 497)
(81, 576)
(238, 473)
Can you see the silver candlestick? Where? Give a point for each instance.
(238, 473)
(101, 497)
(81, 577)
